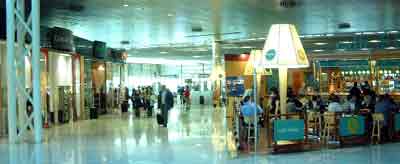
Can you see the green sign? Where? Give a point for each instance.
(397, 122)
(288, 130)
(352, 126)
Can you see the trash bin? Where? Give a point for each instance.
(93, 113)
(201, 100)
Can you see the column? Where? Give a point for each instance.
(218, 72)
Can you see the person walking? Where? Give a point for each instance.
(186, 94)
(167, 102)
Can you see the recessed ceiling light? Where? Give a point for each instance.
(318, 50)
(196, 56)
(163, 52)
(369, 33)
(320, 43)
(126, 5)
(390, 48)
(170, 15)
(346, 42)
(374, 41)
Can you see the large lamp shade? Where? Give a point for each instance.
(283, 50)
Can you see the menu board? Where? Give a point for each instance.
(235, 85)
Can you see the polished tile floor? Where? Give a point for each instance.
(198, 136)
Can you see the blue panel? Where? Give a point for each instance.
(288, 130)
(388, 63)
(347, 63)
(235, 85)
(352, 126)
(397, 122)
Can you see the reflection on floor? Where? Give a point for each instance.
(198, 136)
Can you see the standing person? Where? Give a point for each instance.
(167, 102)
(186, 94)
(180, 93)
(355, 91)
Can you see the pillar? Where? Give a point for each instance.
(217, 73)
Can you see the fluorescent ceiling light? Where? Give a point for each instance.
(340, 49)
(126, 5)
(374, 41)
(170, 15)
(393, 32)
(162, 61)
(246, 47)
(364, 49)
(261, 38)
(318, 50)
(390, 48)
(330, 34)
(380, 32)
(369, 33)
(251, 39)
(163, 52)
(346, 42)
(358, 33)
(320, 43)
(196, 56)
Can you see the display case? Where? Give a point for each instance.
(338, 76)
(388, 76)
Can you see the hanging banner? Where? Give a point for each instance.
(397, 122)
(235, 85)
(288, 130)
(352, 126)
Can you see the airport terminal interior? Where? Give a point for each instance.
(199, 81)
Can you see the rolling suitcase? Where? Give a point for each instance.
(160, 119)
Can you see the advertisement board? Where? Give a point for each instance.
(352, 126)
(235, 85)
(288, 130)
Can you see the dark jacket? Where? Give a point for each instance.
(169, 100)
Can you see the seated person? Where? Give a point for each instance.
(249, 109)
(334, 105)
(347, 105)
(383, 105)
(293, 104)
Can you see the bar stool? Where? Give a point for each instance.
(376, 127)
(314, 122)
(329, 125)
(249, 124)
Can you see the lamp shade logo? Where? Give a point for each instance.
(301, 55)
(270, 55)
(353, 125)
